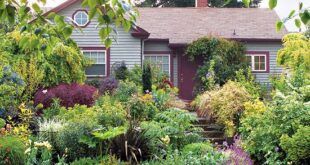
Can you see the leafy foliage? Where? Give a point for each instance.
(225, 105)
(42, 59)
(68, 95)
(298, 145)
(12, 150)
(119, 13)
(226, 58)
(172, 127)
(295, 52)
(142, 108)
(121, 73)
(11, 87)
(108, 85)
(125, 90)
(147, 78)
(262, 132)
(201, 158)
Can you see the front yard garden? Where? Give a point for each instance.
(51, 114)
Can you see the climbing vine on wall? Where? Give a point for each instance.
(226, 58)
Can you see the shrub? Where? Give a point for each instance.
(142, 108)
(80, 122)
(247, 80)
(121, 73)
(297, 147)
(2, 123)
(163, 98)
(225, 105)
(135, 75)
(262, 132)
(12, 150)
(108, 85)
(295, 52)
(53, 110)
(220, 56)
(125, 90)
(147, 78)
(68, 94)
(198, 148)
(85, 161)
(43, 60)
(176, 157)
(173, 127)
(113, 113)
(11, 88)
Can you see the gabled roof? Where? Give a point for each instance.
(184, 25)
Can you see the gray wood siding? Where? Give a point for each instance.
(163, 46)
(272, 48)
(125, 48)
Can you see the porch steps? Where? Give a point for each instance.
(211, 131)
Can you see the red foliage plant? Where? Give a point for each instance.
(68, 95)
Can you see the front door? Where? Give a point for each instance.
(187, 73)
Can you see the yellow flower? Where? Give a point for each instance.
(165, 140)
(45, 144)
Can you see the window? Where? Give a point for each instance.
(162, 61)
(258, 62)
(81, 18)
(99, 60)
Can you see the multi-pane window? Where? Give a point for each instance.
(98, 57)
(81, 18)
(258, 62)
(162, 61)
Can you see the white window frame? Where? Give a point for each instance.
(253, 61)
(156, 55)
(105, 60)
(74, 18)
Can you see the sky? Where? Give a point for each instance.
(283, 8)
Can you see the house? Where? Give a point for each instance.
(162, 34)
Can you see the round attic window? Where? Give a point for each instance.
(81, 18)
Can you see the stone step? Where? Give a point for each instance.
(204, 121)
(210, 127)
(216, 140)
(212, 134)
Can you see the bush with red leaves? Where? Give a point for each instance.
(68, 94)
(108, 85)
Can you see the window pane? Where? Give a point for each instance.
(262, 66)
(166, 68)
(256, 66)
(165, 59)
(97, 69)
(256, 58)
(262, 59)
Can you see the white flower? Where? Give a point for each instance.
(44, 91)
(27, 151)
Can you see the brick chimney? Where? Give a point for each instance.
(201, 3)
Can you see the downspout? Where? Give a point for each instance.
(142, 51)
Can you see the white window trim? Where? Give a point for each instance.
(253, 62)
(105, 60)
(166, 55)
(74, 18)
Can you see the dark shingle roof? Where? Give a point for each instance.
(183, 25)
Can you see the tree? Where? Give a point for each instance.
(120, 13)
(295, 52)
